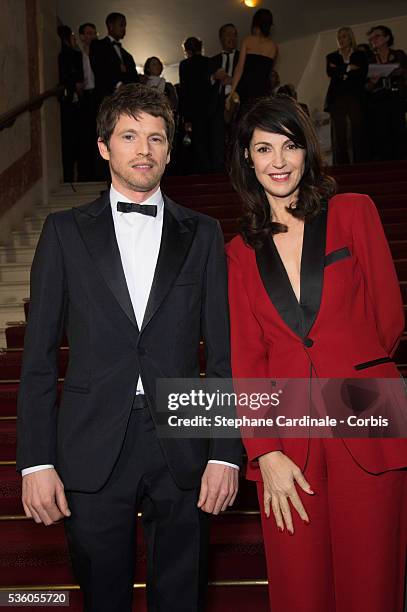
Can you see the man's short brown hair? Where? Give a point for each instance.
(131, 100)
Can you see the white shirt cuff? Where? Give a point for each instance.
(36, 468)
(224, 463)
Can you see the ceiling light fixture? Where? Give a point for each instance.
(251, 3)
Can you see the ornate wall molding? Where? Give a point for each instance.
(21, 175)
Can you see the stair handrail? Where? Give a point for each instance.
(8, 118)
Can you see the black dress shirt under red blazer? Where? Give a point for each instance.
(350, 314)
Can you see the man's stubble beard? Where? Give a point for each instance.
(137, 186)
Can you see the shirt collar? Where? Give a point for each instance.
(113, 40)
(155, 199)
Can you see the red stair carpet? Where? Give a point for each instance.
(35, 556)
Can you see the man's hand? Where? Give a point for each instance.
(219, 487)
(227, 80)
(44, 498)
(219, 75)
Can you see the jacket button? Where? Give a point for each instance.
(308, 342)
(141, 350)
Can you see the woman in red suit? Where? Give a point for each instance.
(313, 292)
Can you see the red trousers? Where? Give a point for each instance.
(351, 557)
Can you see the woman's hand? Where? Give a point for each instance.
(232, 97)
(228, 102)
(279, 475)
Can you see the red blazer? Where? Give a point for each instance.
(348, 323)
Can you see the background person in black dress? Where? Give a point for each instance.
(346, 99)
(252, 77)
(387, 100)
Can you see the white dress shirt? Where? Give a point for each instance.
(117, 47)
(228, 88)
(88, 76)
(138, 237)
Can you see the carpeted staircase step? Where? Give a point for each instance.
(35, 554)
(10, 492)
(242, 596)
(11, 359)
(15, 336)
(389, 175)
(398, 248)
(370, 168)
(7, 440)
(226, 205)
(10, 363)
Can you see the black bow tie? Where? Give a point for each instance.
(144, 209)
(117, 43)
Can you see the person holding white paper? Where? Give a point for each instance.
(387, 102)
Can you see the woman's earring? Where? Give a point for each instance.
(248, 160)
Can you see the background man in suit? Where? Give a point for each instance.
(222, 67)
(87, 150)
(111, 63)
(71, 77)
(194, 94)
(113, 66)
(135, 277)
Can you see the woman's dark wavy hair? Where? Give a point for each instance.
(278, 115)
(262, 19)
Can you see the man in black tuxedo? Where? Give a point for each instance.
(222, 67)
(112, 65)
(194, 96)
(135, 279)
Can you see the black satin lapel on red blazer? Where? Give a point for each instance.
(97, 229)
(278, 286)
(298, 316)
(176, 240)
(312, 268)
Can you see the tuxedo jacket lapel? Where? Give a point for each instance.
(299, 316)
(97, 229)
(176, 240)
(278, 286)
(312, 268)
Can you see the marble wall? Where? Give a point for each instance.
(29, 150)
(20, 145)
(14, 141)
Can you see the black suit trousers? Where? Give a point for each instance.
(348, 130)
(88, 140)
(101, 531)
(218, 135)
